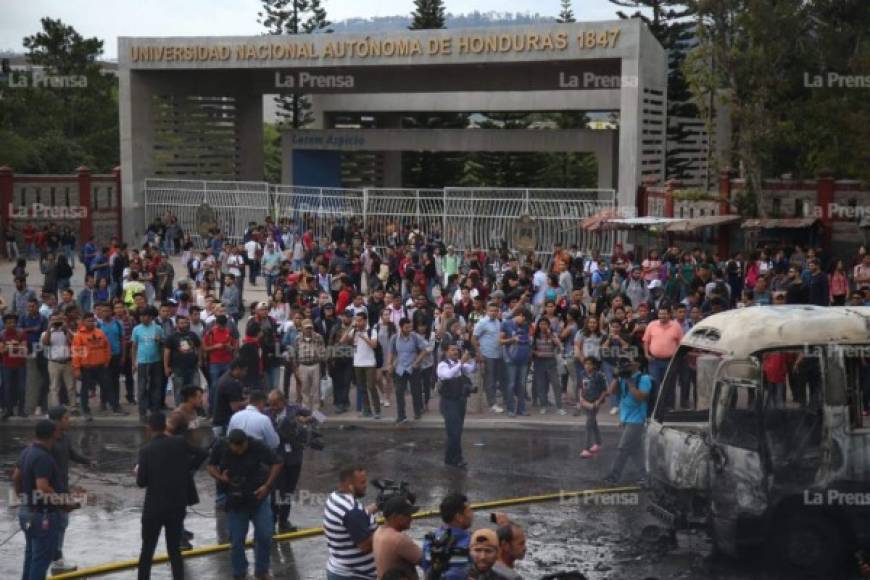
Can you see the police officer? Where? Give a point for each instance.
(453, 373)
(288, 420)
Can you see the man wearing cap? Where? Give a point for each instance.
(634, 390)
(483, 550)
(392, 548)
(308, 353)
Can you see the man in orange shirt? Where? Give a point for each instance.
(91, 353)
(660, 341)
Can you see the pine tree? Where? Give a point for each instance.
(566, 15)
(428, 15)
(672, 25)
(294, 17)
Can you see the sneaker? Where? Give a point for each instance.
(88, 418)
(376, 416)
(286, 528)
(187, 535)
(418, 417)
(385, 403)
(496, 409)
(542, 412)
(614, 410)
(61, 567)
(608, 481)
(185, 544)
(562, 412)
(38, 413)
(586, 454)
(511, 414)
(401, 421)
(595, 448)
(120, 411)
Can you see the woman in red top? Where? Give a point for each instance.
(776, 366)
(838, 284)
(13, 354)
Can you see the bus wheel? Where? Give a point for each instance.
(808, 546)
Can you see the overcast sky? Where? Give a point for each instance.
(108, 19)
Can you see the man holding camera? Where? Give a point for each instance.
(246, 470)
(445, 551)
(392, 548)
(455, 388)
(634, 390)
(288, 420)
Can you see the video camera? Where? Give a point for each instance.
(387, 488)
(310, 436)
(442, 548)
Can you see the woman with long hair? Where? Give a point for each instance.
(546, 346)
(838, 283)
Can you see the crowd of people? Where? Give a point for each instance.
(579, 333)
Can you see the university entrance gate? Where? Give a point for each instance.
(466, 217)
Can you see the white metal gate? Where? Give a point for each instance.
(468, 218)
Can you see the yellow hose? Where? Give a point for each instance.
(311, 532)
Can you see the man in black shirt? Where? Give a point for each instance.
(245, 470)
(63, 452)
(164, 470)
(229, 397)
(181, 357)
(37, 481)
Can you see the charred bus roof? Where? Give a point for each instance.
(743, 331)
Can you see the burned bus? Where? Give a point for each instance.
(760, 434)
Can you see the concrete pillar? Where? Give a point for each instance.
(724, 237)
(249, 131)
(392, 159)
(137, 149)
(86, 226)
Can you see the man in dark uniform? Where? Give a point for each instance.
(288, 420)
(455, 387)
(164, 470)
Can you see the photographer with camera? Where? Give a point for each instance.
(350, 528)
(289, 421)
(445, 551)
(391, 547)
(455, 388)
(246, 470)
(634, 390)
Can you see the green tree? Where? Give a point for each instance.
(428, 15)
(294, 17)
(55, 126)
(751, 56)
(566, 14)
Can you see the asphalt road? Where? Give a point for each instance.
(610, 537)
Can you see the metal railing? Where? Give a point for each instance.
(468, 218)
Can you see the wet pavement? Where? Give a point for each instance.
(608, 537)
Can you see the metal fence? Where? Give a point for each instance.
(468, 218)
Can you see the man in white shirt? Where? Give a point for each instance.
(365, 341)
(253, 249)
(254, 421)
(454, 377)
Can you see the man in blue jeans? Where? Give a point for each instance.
(37, 481)
(634, 390)
(237, 464)
(517, 351)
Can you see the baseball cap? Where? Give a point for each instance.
(329, 305)
(262, 305)
(399, 505)
(655, 284)
(484, 537)
(497, 294)
(307, 324)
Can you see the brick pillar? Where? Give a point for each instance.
(724, 234)
(7, 189)
(641, 200)
(824, 200)
(86, 226)
(669, 197)
(119, 231)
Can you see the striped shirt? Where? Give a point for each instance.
(346, 524)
